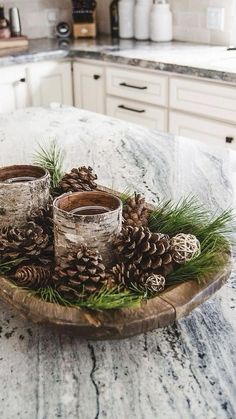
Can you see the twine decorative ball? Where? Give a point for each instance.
(184, 247)
(155, 283)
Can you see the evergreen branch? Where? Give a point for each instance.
(51, 158)
(8, 266)
(103, 300)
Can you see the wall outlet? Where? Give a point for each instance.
(216, 18)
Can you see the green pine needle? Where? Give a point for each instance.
(8, 266)
(51, 158)
(103, 300)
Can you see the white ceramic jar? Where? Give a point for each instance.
(126, 18)
(142, 19)
(161, 22)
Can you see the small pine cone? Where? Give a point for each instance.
(44, 218)
(135, 213)
(149, 251)
(78, 180)
(126, 275)
(80, 273)
(27, 241)
(33, 276)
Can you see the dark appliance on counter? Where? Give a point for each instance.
(84, 18)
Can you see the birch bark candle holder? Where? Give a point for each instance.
(92, 218)
(23, 189)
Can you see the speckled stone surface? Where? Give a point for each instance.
(212, 62)
(185, 371)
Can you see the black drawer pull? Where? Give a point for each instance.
(133, 87)
(229, 140)
(131, 109)
(96, 77)
(22, 80)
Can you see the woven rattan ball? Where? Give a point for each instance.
(184, 247)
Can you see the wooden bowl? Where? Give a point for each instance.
(161, 311)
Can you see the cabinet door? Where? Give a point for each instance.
(138, 113)
(89, 89)
(50, 81)
(205, 130)
(13, 89)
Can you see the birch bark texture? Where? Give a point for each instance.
(96, 230)
(23, 189)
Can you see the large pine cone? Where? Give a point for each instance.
(149, 251)
(135, 212)
(130, 276)
(78, 180)
(33, 276)
(79, 274)
(27, 241)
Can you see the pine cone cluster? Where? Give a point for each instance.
(80, 273)
(27, 241)
(135, 212)
(78, 180)
(33, 276)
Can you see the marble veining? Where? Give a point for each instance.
(204, 61)
(184, 371)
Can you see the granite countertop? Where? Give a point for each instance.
(198, 60)
(184, 371)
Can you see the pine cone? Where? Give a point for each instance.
(80, 273)
(150, 252)
(78, 180)
(33, 276)
(27, 241)
(132, 277)
(135, 212)
(44, 218)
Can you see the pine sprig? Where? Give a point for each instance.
(8, 266)
(50, 157)
(105, 299)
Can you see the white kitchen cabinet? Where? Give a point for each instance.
(137, 85)
(213, 100)
(205, 130)
(137, 112)
(13, 89)
(89, 87)
(50, 81)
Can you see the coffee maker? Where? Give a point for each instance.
(84, 18)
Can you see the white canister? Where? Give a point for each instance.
(142, 19)
(126, 18)
(161, 22)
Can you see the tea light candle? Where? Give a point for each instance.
(92, 218)
(23, 189)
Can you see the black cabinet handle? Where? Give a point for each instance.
(96, 77)
(133, 87)
(22, 80)
(229, 140)
(131, 109)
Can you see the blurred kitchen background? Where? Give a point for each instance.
(39, 17)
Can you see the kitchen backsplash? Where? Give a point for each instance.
(39, 16)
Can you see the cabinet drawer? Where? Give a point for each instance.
(137, 112)
(208, 99)
(137, 85)
(207, 131)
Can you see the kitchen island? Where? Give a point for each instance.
(184, 371)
